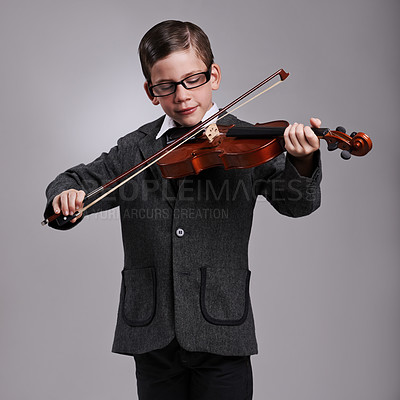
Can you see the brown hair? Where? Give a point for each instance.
(169, 36)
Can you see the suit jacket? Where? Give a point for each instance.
(186, 272)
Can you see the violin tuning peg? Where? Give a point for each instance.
(332, 146)
(341, 129)
(345, 154)
(353, 134)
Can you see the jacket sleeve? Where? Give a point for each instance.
(289, 193)
(87, 177)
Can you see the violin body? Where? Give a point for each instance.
(223, 151)
(191, 159)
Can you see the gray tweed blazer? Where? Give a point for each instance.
(186, 272)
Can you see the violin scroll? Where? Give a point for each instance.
(357, 144)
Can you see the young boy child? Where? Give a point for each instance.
(185, 312)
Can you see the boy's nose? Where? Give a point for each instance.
(181, 94)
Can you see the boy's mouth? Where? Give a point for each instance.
(187, 111)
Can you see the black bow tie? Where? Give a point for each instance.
(175, 133)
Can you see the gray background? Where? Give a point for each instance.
(325, 288)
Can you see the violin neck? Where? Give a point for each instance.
(267, 132)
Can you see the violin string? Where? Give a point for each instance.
(169, 151)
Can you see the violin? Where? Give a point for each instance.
(205, 146)
(246, 147)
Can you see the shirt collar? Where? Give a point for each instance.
(169, 123)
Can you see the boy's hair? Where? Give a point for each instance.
(169, 36)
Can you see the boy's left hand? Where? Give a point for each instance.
(301, 143)
(300, 140)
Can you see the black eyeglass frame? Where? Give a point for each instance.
(207, 74)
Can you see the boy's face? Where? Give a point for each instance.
(186, 107)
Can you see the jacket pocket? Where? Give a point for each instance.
(139, 296)
(224, 295)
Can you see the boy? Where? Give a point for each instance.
(185, 312)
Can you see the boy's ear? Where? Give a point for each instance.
(153, 99)
(215, 76)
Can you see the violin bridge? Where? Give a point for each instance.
(212, 132)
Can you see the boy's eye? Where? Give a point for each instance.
(192, 80)
(165, 87)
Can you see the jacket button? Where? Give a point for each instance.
(180, 232)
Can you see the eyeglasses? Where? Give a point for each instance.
(191, 82)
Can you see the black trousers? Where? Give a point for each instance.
(173, 373)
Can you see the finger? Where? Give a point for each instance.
(315, 122)
(71, 201)
(299, 135)
(303, 146)
(290, 136)
(64, 202)
(80, 196)
(75, 219)
(286, 133)
(311, 137)
(56, 204)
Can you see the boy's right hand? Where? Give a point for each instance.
(68, 202)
